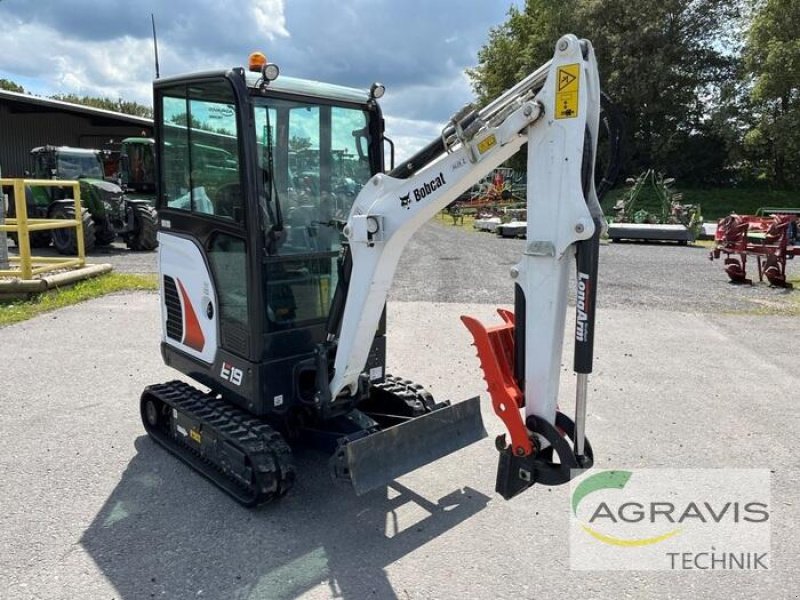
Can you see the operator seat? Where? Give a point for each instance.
(228, 201)
(301, 232)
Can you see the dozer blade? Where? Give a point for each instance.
(376, 459)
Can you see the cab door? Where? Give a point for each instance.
(203, 241)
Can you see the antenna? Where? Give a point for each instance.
(155, 44)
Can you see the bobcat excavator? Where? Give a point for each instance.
(280, 233)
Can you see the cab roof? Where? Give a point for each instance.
(314, 89)
(283, 84)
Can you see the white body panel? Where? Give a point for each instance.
(490, 224)
(558, 216)
(388, 211)
(181, 259)
(401, 207)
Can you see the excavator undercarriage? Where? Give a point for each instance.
(238, 452)
(251, 461)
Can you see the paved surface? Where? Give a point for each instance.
(117, 254)
(91, 508)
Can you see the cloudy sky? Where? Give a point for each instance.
(417, 48)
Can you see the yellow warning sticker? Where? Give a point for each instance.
(569, 77)
(485, 145)
(195, 435)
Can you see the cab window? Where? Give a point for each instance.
(201, 150)
(315, 160)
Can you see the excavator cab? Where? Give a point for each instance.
(250, 188)
(256, 179)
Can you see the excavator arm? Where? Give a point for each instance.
(555, 111)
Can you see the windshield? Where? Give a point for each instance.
(319, 156)
(313, 161)
(75, 166)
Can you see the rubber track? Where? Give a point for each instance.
(418, 400)
(268, 453)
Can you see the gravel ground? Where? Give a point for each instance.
(460, 265)
(93, 509)
(117, 254)
(451, 264)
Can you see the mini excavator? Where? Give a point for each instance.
(280, 233)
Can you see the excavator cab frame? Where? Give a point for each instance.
(267, 222)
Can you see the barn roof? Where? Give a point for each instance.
(33, 104)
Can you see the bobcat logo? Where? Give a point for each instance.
(423, 191)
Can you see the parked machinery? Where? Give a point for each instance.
(137, 168)
(652, 210)
(772, 240)
(108, 212)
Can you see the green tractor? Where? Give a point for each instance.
(137, 171)
(107, 211)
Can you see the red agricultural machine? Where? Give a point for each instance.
(772, 240)
(492, 190)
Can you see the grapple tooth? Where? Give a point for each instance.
(495, 351)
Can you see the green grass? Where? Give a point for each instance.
(719, 202)
(789, 306)
(782, 305)
(14, 311)
(466, 223)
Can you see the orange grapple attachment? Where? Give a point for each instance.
(496, 353)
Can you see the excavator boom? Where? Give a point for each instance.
(555, 111)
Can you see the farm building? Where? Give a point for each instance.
(28, 121)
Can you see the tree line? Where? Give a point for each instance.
(708, 91)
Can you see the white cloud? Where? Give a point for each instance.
(409, 136)
(270, 18)
(66, 65)
(419, 49)
(432, 103)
